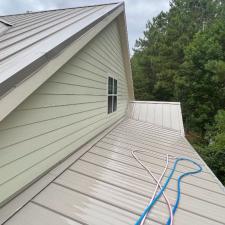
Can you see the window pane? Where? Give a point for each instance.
(110, 108)
(110, 85)
(115, 86)
(114, 103)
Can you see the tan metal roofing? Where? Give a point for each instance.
(164, 114)
(107, 186)
(35, 38)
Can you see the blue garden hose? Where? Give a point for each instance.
(148, 208)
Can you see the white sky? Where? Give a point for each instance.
(138, 11)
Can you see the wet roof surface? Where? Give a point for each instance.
(108, 186)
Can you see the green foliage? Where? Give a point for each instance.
(182, 58)
(201, 79)
(214, 152)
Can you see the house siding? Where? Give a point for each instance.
(63, 114)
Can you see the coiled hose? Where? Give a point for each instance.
(158, 185)
(152, 203)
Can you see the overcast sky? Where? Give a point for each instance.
(138, 11)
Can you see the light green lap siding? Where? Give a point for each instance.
(63, 114)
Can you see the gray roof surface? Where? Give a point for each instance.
(107, 186)
(35, 38)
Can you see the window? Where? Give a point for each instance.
(112, 95)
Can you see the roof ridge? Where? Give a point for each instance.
(82, 6)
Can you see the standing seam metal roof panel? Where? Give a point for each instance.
(163, 114)
(107, 186)
(32, 41)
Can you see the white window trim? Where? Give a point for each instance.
(107, 90)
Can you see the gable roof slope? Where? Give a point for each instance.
(35, 38)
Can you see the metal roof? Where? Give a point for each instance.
(164, 114)
(35, 38)
(106, 185)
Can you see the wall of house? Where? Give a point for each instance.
(63, 114)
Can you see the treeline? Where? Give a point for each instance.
(182, 58)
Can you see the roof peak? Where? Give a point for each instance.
(75, 7)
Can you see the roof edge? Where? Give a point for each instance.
(82, 6)
(122, 26)
(156, 102)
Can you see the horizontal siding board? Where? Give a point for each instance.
(29, 116)
(59, 117)
(93, 67)
(114, 37)
(37, 101)
(107, 43)
(103, 48)
(110, 43)
(59, 88)
(77, 79)
(99, 54)
(84, 64)
(84, 73)
(16, 135)
(102, 61)
(97, 62)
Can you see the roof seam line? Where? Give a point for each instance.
(57, 212)
(138, 193)
(101, 200)
(148, 181)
